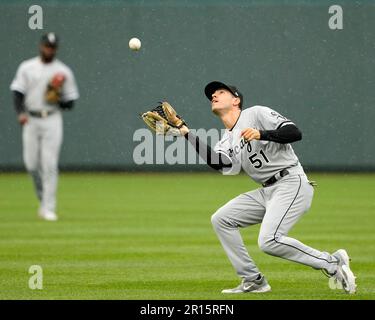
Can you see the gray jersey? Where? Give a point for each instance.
(260, 159)
(32, 78)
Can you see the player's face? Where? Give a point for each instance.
(47, 53)
(222, 99)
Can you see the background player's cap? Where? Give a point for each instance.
(50, 39)
(215, 85)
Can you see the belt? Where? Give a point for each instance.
(41, 114)
(275, 178)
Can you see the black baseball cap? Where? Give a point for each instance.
(215, 85)
(50, 39)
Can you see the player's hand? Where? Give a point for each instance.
(184, 130)
(23, 118)
(250, 134)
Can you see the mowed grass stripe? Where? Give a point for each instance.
(149, 236)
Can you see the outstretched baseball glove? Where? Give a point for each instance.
(54, 87)
(164, 120)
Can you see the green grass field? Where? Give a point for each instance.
(149, 236)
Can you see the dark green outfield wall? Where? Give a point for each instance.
(279, 53)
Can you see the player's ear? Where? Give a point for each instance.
(237, 102)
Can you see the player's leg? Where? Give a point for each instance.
(31, 154)
(244, 210)
(284, 210)
(51, 144)
(287, 202)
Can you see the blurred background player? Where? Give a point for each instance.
(43, 86)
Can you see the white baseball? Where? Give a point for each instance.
(135, 44)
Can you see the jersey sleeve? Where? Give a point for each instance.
(219, 148)
(19, 82)
(70, 89)
(269, 119)
(222, 147)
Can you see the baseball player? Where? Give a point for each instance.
(43, 86)
(257, 140)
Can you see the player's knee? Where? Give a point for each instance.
(218, 219)
(31, 166)
(215, 220)
(267, 244)
(50, 167)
